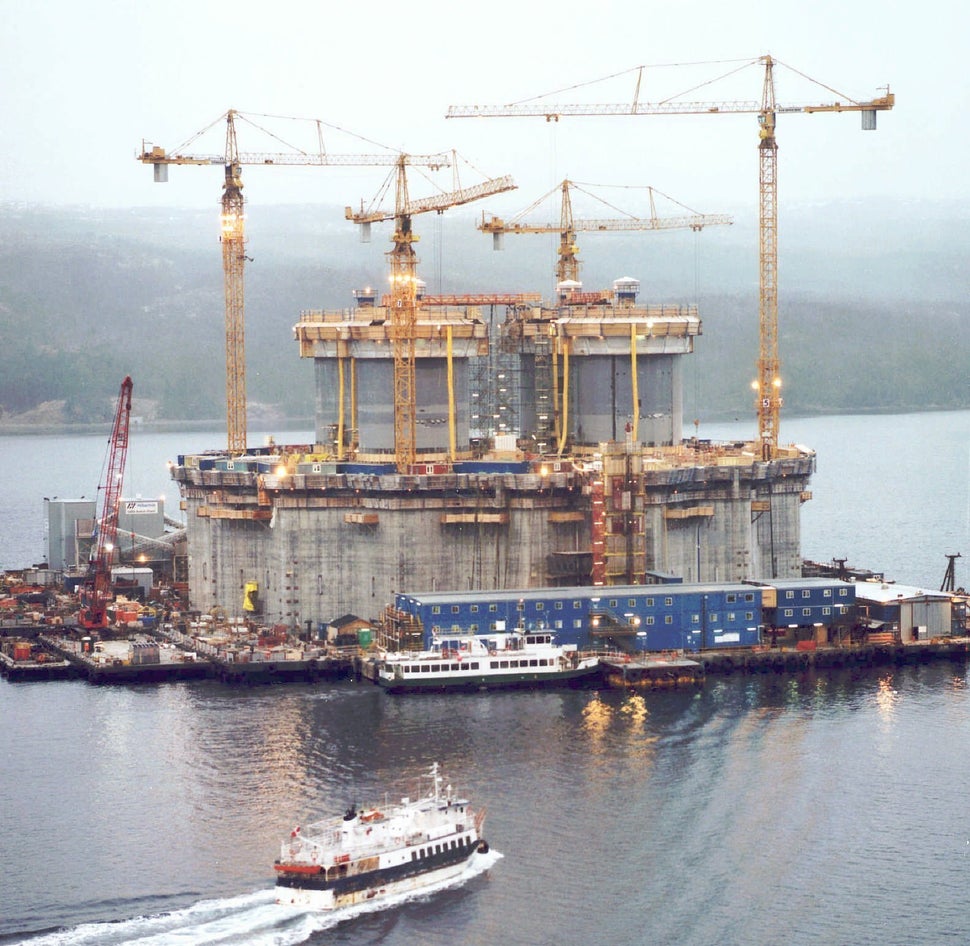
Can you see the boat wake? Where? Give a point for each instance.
(254, 919)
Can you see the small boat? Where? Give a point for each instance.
(486, 661)
(379, 850)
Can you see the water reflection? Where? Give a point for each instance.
(886, 697)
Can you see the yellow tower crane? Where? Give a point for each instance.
(404, 305)
(233, 229)
(768, 384)
(567, 268)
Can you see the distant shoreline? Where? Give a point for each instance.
(302, 423)
(152, 427)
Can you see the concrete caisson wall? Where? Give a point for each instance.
(321, 546)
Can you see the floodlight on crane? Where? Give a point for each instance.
(768, 384)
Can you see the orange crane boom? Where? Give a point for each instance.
(768, 385)
(233, 231)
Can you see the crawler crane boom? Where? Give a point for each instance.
(98, 592)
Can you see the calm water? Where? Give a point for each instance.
(796, 810)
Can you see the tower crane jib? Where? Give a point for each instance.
(768, 385)
(232, 230)
(567, 267)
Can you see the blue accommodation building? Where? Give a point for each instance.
(642, 618)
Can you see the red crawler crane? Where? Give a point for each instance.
(98, 591)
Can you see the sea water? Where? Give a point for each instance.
(796, 809)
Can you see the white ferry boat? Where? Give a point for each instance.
(380, 850)
(485, 661)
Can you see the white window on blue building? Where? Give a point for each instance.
(578, 623)
(668, 619)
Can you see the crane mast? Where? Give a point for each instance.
(403, 313)
(233, 267)
(404, 316)
(768, 390)
(768, 384)
(568, 266)
(233, 237)
(94, 615)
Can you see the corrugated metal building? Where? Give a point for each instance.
(910, 613)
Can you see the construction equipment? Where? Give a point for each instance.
(567, 268)
(97, 593)
(768, 384)
(404, 305)
(949, 576)
(233, 232)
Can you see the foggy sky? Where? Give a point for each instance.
(84, 83)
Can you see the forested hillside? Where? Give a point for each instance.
(873, 311)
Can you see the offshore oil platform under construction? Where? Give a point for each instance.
(492, 441)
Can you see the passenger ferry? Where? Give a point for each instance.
(486, 661)
(379, 850)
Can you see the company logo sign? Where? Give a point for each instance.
(141, 507)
